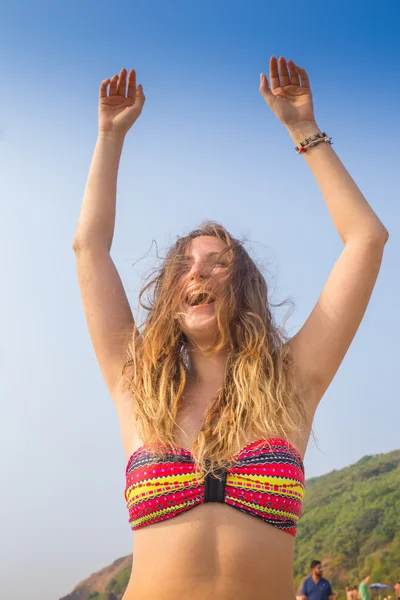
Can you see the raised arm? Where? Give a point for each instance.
(321, 344)
(107, 311)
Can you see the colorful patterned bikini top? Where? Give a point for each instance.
(267, 482)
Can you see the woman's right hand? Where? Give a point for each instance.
(119, 109)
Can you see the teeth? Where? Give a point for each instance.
(195, 298)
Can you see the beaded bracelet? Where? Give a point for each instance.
(315, 139)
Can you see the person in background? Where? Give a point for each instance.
(363, 588)
(350, 593)
(316, 587)
(397, 589)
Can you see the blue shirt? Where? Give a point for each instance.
(320, 591)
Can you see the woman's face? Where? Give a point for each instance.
(203, 268)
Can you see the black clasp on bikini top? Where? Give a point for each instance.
(214, 489)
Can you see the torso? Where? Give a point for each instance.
(212, 549)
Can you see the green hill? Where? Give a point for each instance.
(351, 522)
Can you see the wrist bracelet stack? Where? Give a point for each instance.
(315, 139)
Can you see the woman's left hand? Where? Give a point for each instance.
(290, 97)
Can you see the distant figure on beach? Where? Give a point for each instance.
(352, 593)
(316, 587)
(397, 589)
(363, 588)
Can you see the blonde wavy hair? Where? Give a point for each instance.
(258, 397)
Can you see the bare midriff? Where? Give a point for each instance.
(211, 551)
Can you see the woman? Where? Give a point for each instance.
(215, 405)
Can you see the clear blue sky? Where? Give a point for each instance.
(206, 146)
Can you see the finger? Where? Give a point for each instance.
(273, 73)
(294, 76)
(284, 73)
(132, 84)
(265, 91)
(103, 88)
(139, 97)
(113, 85)
(121, 88)
(303, 77)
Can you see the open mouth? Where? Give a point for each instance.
(199, 298)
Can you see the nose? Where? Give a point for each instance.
(197, 271)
